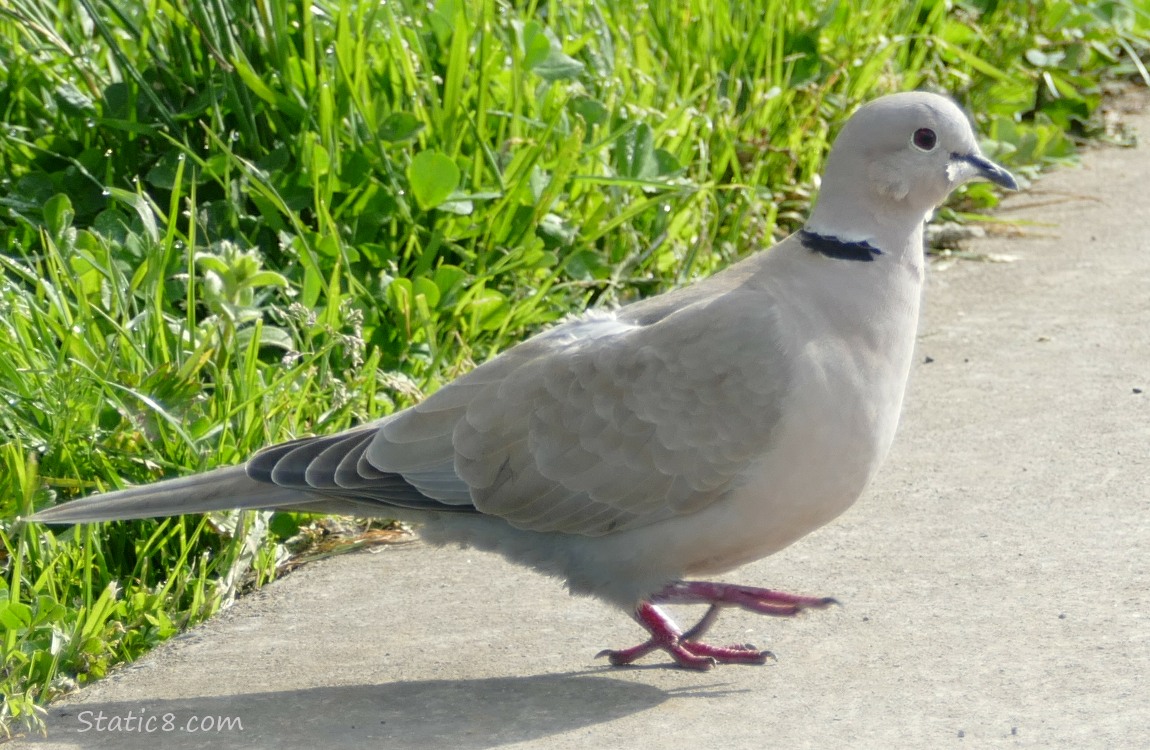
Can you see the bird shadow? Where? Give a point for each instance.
(464, 714)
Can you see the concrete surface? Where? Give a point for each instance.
(994, 579)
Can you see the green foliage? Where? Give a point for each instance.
(226, 223)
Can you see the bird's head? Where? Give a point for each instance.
(896, 159)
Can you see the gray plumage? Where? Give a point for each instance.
(683, 435)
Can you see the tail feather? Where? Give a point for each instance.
(228, 488)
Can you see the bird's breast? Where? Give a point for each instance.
(839, 420)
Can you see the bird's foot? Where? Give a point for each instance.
(684, 647)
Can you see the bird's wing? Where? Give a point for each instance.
(601, 425)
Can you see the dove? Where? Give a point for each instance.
(631, 453)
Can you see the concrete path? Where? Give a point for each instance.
(994, 580)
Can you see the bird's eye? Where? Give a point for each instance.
(925, 139)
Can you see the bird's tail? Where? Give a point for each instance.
(228, 488)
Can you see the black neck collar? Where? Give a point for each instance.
(833, 247)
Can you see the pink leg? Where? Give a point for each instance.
(666, 635)
(685, 648)
(763, 601)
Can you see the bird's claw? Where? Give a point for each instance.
(689, 654)
(684, 647)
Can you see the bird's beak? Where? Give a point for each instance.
(969, 166)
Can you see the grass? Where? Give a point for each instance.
(224, 224)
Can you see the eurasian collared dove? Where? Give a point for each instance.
(682, 435)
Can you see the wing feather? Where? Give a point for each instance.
(627, 423)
